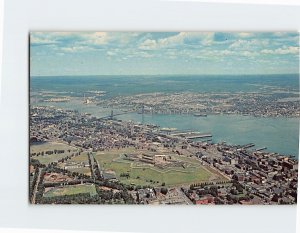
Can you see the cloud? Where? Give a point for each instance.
(249, 44)
(163, 48)
(96, 38)
(178, 40)
(188, 38)
(282, 51)
(77, 39)
(41, 41)
(36, 39)
(110, 53)
(245, 34)
(148, 44)
(74, 49)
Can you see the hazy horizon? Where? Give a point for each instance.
(150, 75)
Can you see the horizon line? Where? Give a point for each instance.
(77, 75)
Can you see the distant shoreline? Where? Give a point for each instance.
(161, 75)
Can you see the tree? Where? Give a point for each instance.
(164, 190)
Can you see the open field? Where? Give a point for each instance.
(83, 157)
(70, 190)
(83, 170)
(51, 146)
(145, 174)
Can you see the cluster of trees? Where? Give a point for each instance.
(238, 186)
(40, 187)
(109, 197)
(95, 169)
(123, 174)
(33, 183)
(212, 190)
(80, 198)
(51, 152)
(91, 166)
(218, 201)
(48, 152)
(35, 163)
(56, 184)
(128, 199)
(37, 166)
(52, 168)
(107, 194)
(137, 187)
(112, 185)
(200, 185)
(232, 199)
(164, 190)
(67, 157)
(224, 182)
(38, 154)
(102, 197)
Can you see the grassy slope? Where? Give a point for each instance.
(194, 173)
(71, 189)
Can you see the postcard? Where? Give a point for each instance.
(156, 118)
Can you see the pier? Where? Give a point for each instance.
(247, 145)
(192, 135)
(260, 149)
(203, 135)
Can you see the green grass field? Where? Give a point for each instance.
(46, 159)
(83, 170)
(83, 157)
(71, 189)
(154, 176)
(50, 146)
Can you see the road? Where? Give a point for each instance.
(33, 201)
(184, 197)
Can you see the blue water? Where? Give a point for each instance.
(279, 135)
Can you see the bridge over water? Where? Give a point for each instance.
(112, 114)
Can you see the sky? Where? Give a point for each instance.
(158, 53)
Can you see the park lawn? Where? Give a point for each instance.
(176, 176)
(191, 160)
(110, 160)
(106, 159)
(51, 146)
(83, 170)
(195, 162)
(46, 159)
(71, 189)
(83, 157)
